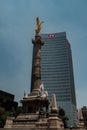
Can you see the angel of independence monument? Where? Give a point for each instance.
(36, 104)
(38, 97)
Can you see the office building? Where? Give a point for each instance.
(7, 101)
(57, 73)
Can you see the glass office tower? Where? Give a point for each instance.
(57, 73)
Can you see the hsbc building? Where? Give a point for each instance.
(57, 73)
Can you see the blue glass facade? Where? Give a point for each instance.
(57, 72)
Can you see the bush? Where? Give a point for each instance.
(3, 116)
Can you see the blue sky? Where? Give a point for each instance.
(17, 25)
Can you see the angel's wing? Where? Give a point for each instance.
(37, 21)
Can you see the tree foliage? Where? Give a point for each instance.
(63, 116)
(16, 111)
(3, 116)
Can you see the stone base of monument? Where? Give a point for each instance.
(39, 119)
(55, 122)
(34, 121)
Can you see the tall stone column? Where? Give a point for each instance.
(37, 64)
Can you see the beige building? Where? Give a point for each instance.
(82, 117)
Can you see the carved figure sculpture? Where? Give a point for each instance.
(38, 23)
(43, 92)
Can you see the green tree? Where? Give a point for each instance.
(16, 111)
(63, 116)
(3, 116)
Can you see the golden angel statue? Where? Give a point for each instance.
(38, 23)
